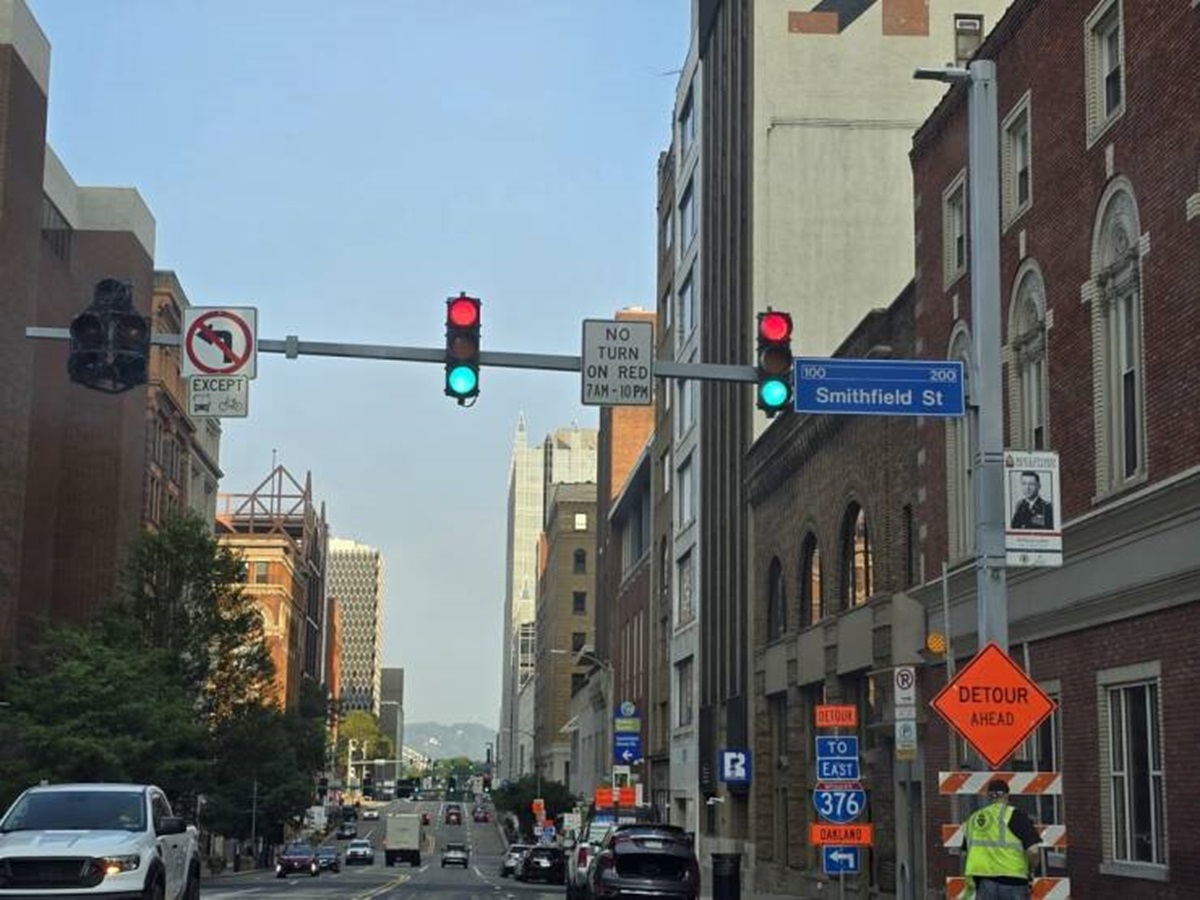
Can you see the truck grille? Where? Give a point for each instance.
(50, 873)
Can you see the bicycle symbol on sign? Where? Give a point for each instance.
(231, 405)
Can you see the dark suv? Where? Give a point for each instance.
(638, 860)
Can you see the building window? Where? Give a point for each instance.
(261, 572)
(665, 468)
(1117, 343)
(960, 462)
(1015, 162)
(857, 564)
(685, 512)
(812, 607)
(578, 640)
(687, 127)
(685, 691)
(954, 230)
(685, 578)
(1134, 808)
(1104, 47)
(579, 602)
(1028, 389)
(687, 217)
(687, 309)
(56, 230)
(580, 564)
(578, 680)
(776, 601)
(581, 521)
(1043, 753)
(666, 229)
(664, 574)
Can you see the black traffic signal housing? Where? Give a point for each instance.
(774, 363)
(110, 341)
(462, 348)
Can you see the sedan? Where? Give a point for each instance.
(646, 860)
(455, 855)
(297, 858)
(360, 851)
(543, 863)
(370, 815)
(328, 858)
(512, 859)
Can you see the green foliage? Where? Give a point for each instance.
(363, 728)
(518, 796)
(170, 684)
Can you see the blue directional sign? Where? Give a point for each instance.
(627, 747)
(837, 759)
(735, 767)
(879, 387)
(839, 802)
(840, 860)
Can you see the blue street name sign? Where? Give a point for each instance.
(879, 387)
(837, 759)
(627, 748)
(839, 802)
(840, 860)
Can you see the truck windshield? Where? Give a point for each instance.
(77, 811)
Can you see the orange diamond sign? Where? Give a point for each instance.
(993, 704)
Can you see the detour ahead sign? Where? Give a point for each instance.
(993, 704)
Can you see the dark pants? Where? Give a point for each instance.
(986, 889)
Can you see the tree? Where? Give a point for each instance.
(517, 797)
(185, 591)
(362, 727)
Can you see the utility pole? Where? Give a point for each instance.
(254, 822)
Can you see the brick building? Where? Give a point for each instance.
(72, 461)
(1100, 262)
(831, 502)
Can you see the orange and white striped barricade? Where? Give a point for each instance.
(1054, 837)
(1018, 782)
(958, 888)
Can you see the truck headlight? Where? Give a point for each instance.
(115, 865)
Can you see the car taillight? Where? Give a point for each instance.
(583, 857)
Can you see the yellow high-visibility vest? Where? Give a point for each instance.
(993, 850)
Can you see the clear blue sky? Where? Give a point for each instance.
(346, 166)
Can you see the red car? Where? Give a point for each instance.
(297, 858)
(482, 815)
(425, 819)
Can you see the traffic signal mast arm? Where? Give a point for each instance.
(292, 347)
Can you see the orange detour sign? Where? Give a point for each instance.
(844, 835)
(837, 716)
(993, 704)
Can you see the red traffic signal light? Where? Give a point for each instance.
(775, 361)
(462, 348)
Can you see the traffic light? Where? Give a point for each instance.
(774, 368)
(110, 341)
(462, 348)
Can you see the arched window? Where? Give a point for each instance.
(580, 562)
(1115, 294)
(960, 460)
(776, 601)
(857, 566)
(812, 606)
(1028, 394)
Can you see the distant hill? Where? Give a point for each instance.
(468, 739)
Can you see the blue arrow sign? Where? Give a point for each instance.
(881, 387)
(627, 748)
(839, 860)
(839, 803)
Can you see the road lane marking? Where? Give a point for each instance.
(375, 892)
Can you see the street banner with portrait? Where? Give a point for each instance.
(1032, 499)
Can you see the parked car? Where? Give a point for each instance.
(425, 819)
(580, 855)
(360, 851)
(104, 839)
(347, 831)
(543, 863)
(659, 860)
(455, 854)
(297, 858)
(511, 859)
(329, 858)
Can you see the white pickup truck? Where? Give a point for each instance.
(115, 841)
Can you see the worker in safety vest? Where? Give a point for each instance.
(1001, 847)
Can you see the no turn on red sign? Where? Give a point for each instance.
(220, 341)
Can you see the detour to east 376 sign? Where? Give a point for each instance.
(993, 704)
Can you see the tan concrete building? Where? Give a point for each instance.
(182, 468)
(565, 618)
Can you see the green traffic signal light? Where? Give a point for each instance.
(773, 394)
(461, 381)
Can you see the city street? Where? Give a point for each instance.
(480, 880)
